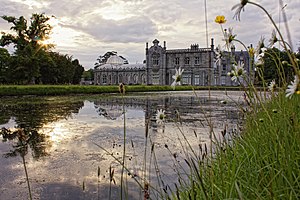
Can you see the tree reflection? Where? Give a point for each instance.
(24, 138)
(36, 114)
(30, 115)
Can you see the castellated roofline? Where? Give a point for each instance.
(187, 50)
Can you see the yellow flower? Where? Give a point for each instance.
(251, 52)
(220, 19)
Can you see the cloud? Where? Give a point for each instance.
(89, 28)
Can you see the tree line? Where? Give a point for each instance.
(32, 61)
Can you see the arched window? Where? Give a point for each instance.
(128, 78)
(104, 79)
(134, 78)
(109, 79)
(120, 78)
(155, 59)
(143, 79)
(115, 80)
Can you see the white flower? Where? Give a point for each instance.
(273, 39)
(160, 116)
(260, 46)
(177, 77)
(260, 55)
(239, 7)
(293, 88)
(229, 37)
(272, 85)
(237, 71)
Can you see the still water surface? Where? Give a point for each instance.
(63, 156)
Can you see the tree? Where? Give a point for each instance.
(88, 75)
(276, 66)
(78, 71)
(4, 65)
(38, 31)
(28, 43)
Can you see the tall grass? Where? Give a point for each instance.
(263, 163)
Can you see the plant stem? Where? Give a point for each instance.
(124, 147)
(27, 179)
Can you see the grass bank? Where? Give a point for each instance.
(263, 163)
(41, 90)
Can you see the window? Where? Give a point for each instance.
(186, 79)
(109, 79)
(224, 67)
(104, 79)
(197, 79)
(134, 78)
(187, 60)
(155, 60)
(155, 79)
(128, 78)
(120, 78)
(177, 61)
(223, 80)
(143, 79)
(197, 60)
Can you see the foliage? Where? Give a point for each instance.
(4, 64)
(276, 67)
(264, 163)
(32, 61)
(261, 160)
(88, 75)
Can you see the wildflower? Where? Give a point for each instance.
(260, 46)
(293, 88)
(272, 86)
(260, 62)
(238, 70)
(220, 19)
(229, 37)
(251, 51)
(275, 111)
(160, 116)
(273, 39)
(260, 51)
(218, 57)
(177, 77)
(122, 88)
(239, 8)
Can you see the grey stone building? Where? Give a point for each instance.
(198, 63)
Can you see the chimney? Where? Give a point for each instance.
(212, 46)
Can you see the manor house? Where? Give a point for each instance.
(160, 64)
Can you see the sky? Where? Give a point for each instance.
(86, 29)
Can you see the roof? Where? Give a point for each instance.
(115, 60)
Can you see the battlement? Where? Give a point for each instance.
(192, 50)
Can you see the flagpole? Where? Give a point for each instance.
(206, 30)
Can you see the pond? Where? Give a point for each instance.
(73, 144)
